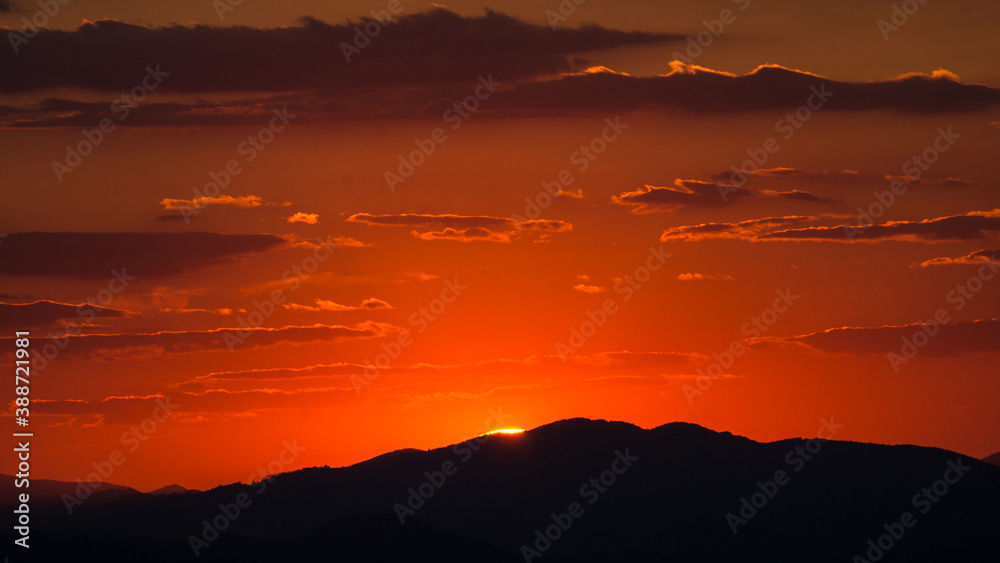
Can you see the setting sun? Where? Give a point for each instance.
(504, 431)
(272, 274)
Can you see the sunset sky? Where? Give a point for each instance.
(294, 229)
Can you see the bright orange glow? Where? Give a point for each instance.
(505, 431)
(410, 254)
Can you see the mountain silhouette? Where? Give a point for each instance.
(994, 459)
(671, 493)
(48, 490)
(173, 489)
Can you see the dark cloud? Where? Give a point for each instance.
(475, 234)
(202, 202)
(295, 387)
(467, 228)
(174, 217)
(653, 199)
(545, 225)
(768, 87)
(743, 230)
(910, 180)
(432, 47)
(697, 277)
(797, 195)
(530, 70)
(98, 255)
(57, 112)
(111, 410)
(368, 304)
(779, 174)
(167, 343)
(797, 172)
(977, 258)
(23, 316)
(639, 360)
(784, 175)
(423, 220)
(534, 366)
(954, 182)
(970, 226)
(129, 410)
(951, 339)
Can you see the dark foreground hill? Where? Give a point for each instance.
(574, 490)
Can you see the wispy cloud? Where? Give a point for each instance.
(369, 304)
(467, 228)
(973, 225)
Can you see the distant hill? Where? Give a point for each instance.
(173, 489)
(994, 459)
(672, 493)
(47, 490)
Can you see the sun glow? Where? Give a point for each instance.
(505, 431)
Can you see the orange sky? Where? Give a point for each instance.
(464, 294)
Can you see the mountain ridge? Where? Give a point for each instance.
(671, 491)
